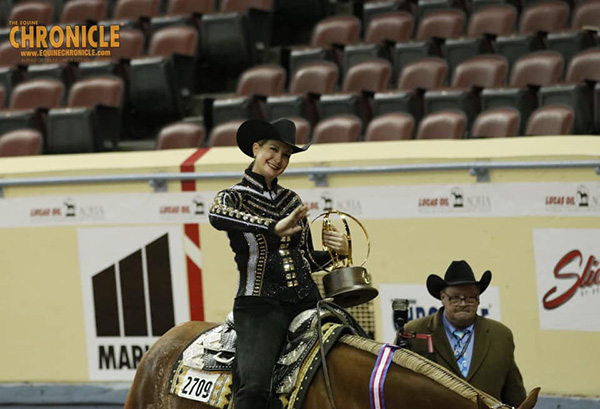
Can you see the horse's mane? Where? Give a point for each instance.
(416, 363)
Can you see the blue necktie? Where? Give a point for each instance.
(460, 350)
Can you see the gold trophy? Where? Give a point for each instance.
(347, 284)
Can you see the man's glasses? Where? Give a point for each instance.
(469, 299)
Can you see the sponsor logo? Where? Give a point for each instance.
(579, 200)
(133, 298)
(183, 211)
(584, 275)
(328, 202)
(455, 201)
(68, 210)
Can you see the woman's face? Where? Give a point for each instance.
(271, 158)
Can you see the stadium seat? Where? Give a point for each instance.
(242, 6)
(390, 127)
(134, 9)
(361, 81)
(40, 11)
(528, 73)
(373, 9)
(328, 33)
(337, 129)
(542, 16)
(254, 85)
(227, 49)
(81, 11)
(395, 26)
(10, 72)
(20, 142)
(586, 14)
(27, 103)
(131, 45)
(415, 79)
(577, 90)
(426, 73)
(496, 123)
(468, 79)
(448, 124)
(187, 7)
(224, 134)
(160, 82)
(308, 83)
(437, 25)
(91, 122)
(551, 120)
(484, 24)
(180, 135)
(303, 130)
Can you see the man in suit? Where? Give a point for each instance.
(478, 349)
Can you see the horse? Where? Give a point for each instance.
(349, 364)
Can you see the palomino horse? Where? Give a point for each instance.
(349, 363)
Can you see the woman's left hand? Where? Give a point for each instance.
(336, 241)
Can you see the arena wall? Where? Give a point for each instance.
(414, 228)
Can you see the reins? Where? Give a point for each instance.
(352, 324)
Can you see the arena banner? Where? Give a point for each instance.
(567, 263)
(134, 288)
(421, 304)
(366, 202)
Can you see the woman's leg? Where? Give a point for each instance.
(261, 327)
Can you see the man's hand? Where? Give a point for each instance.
(289, 224)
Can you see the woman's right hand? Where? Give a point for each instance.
(289, 224)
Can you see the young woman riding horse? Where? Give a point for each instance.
(274, 253)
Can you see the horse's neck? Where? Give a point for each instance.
(350, 373)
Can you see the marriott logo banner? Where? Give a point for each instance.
(134, 290)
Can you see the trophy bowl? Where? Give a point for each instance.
(349, 286)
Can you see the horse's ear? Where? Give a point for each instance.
(531, 399)
(480, 403)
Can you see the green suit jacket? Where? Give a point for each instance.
(493, 368)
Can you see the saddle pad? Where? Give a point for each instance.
(215, 387)
(212, 388)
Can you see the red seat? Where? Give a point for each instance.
(538, 68)
(302, 130)
(79, 11)
(484, 71)
(373, 76)
(317, 77)
(497, 19)
(242, 6)
(181, 40)
(447, 124)
(186, 7)
(134, 9)
(180, 135)
(426, 73)
(586, 14)
(336, 30)
(341, 128)
(40, 11)
(40, 93)
(393, 26)
(20, 142)
(551, 120)
(224, 134)
(496, 123)
(546, 16)
(261, 80)
(390, 127)
(442, 24)
(9, 55)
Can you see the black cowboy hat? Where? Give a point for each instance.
(254, 130)
(458, 273)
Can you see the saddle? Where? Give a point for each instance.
(210, 357)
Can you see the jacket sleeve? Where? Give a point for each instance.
(513, 391)
(227, 213)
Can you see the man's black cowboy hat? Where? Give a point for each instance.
(458, 273)
(254, 130)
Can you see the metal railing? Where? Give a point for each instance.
(319, 175)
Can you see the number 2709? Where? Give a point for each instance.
(199, 387)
